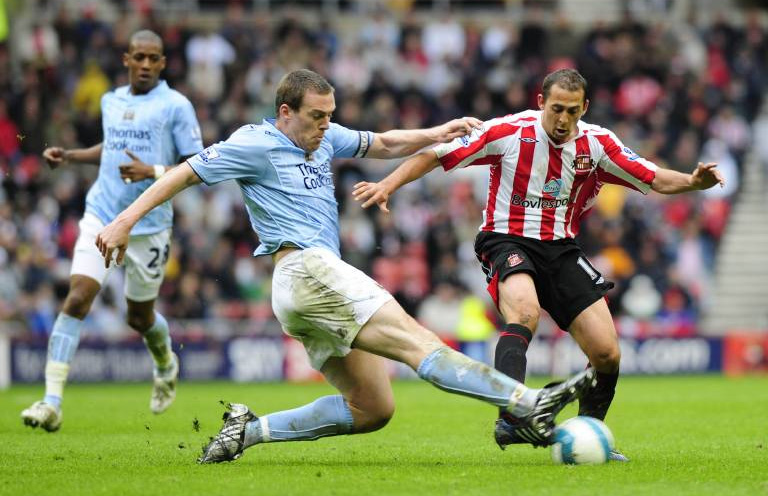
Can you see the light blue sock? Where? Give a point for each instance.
(158, 341)
(451, 371)
(326, 416)
(62, 345)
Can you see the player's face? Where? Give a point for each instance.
(307, 125)
(145, 61)
(561, 112)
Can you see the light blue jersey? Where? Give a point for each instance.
(159, 127)
(289, 197)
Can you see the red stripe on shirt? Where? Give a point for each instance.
(521, 179)
(582, 148)
(554, 169)
(454, 158)
(493, 191)
(487, 160)
(588, 190)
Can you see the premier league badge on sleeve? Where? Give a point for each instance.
(208, 154)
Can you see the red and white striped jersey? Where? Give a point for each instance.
(538, 189)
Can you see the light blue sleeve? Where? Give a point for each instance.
(347, 143)
(236, 158)
(186, 130)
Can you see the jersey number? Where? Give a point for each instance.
(156, 262)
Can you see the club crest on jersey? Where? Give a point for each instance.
(208, 154)
(552, 188)
(514, 260)
(582, 164)
(129, 115)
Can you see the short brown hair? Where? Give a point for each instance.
(568, 79)
(293, 86)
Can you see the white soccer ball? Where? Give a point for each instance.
(581, 441)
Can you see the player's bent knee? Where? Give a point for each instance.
(77, 304)
(374, 420)
(139, 323)
(606, 360)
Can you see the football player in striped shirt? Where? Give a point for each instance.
(546, 168)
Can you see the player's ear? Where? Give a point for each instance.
(586, 106)
(126, 57)
(284, 111)
(540, 101)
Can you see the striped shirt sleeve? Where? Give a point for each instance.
(483, 147)
(620, 165)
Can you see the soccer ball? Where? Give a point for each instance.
(582, 440)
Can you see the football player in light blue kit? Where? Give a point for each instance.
(144, 123)
(346, 321)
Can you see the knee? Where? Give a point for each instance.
(606, 359)
(373, 416)
(525, 313)
(139, 322)
(77, 304)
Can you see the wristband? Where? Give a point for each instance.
(159, 171)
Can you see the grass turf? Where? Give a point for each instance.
(685, 436)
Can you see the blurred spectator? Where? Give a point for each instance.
(207, 55)
(677, 92)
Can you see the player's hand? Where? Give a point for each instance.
(706, 175)
(371, 193)
(458, 128)
(135, 170)
(55, 156)
(113, 237)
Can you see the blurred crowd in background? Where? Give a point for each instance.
(676, 93)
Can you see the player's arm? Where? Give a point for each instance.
(116, 234)
(56, 155)
(410, 170)
(403, 142)
(669, 182)
(136, 170)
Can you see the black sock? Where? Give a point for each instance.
(510, 352)
(595, 403)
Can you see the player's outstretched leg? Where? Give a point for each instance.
(326, 416)
(534, 409)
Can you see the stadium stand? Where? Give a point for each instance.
(679, 86)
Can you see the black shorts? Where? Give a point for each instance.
(566, 283)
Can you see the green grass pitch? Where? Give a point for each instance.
(704, 435)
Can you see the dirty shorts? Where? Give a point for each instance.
(323, 302)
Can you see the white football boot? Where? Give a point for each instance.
(164, 388)
(41, 414)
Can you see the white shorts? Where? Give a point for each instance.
(144, 260)
(323, 302)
